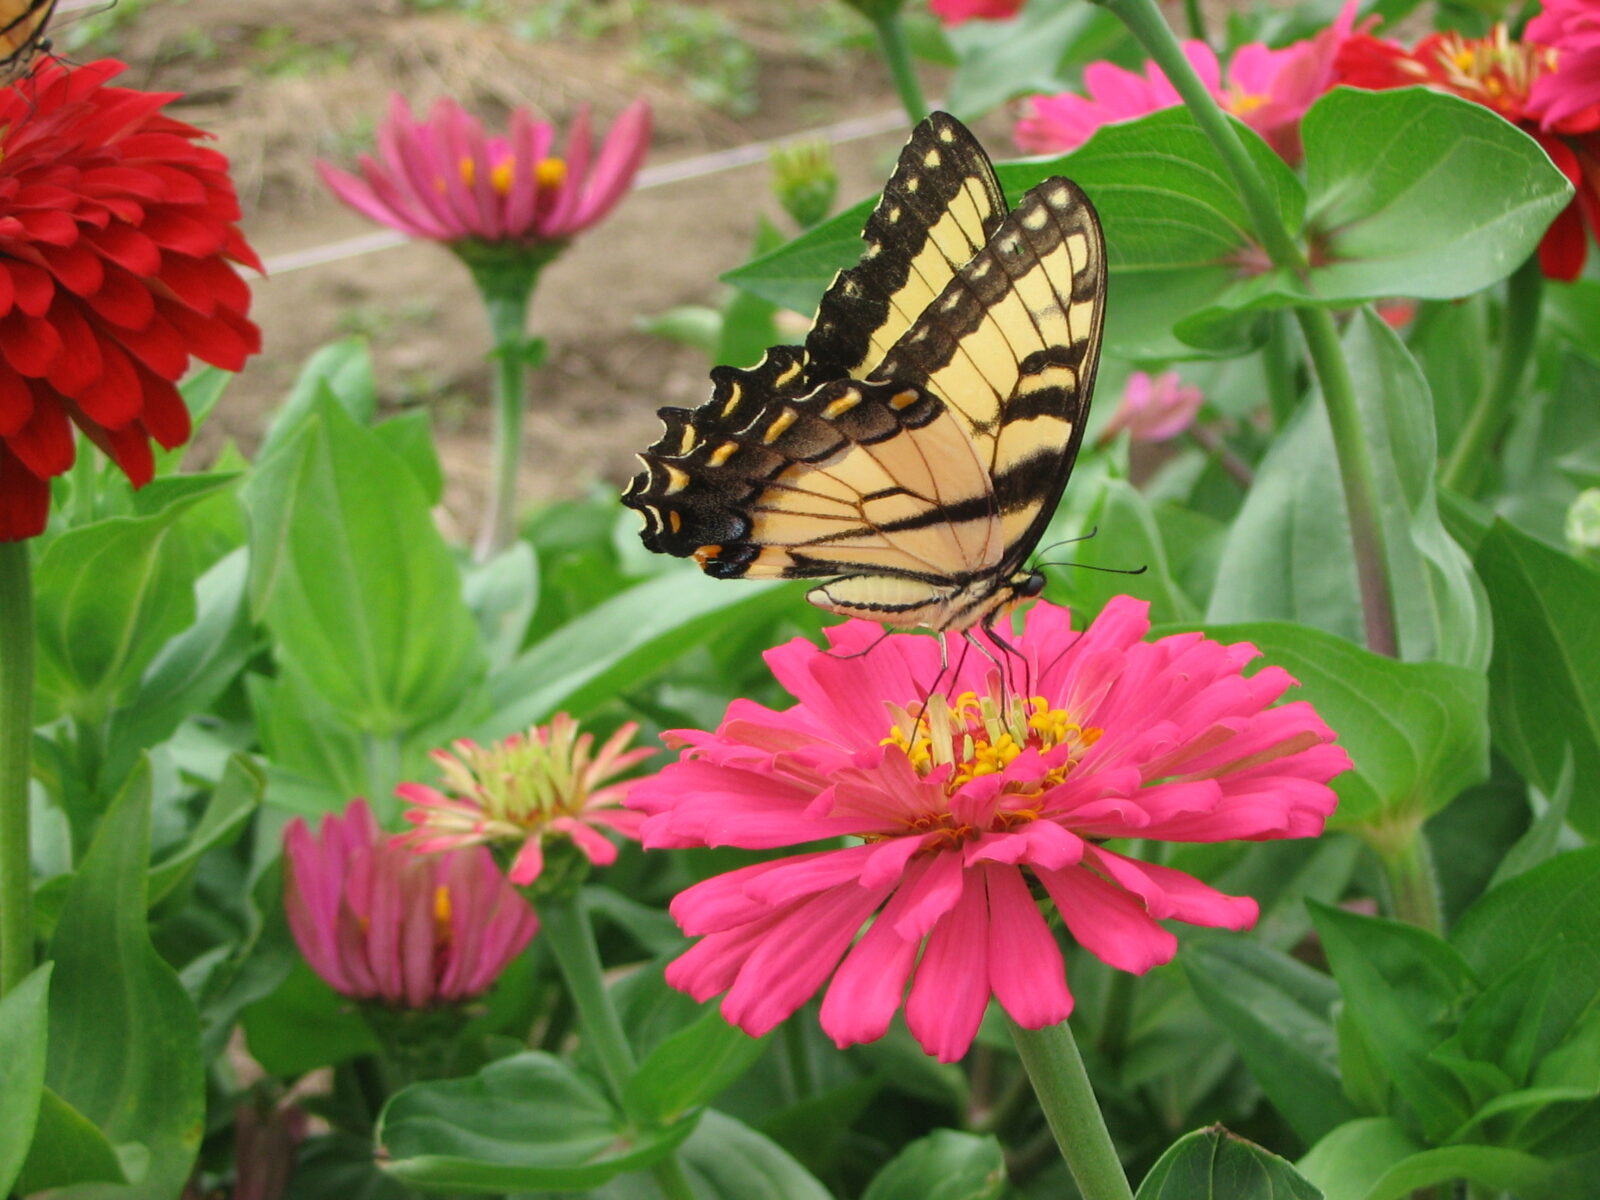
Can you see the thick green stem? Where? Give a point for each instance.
(1413, 882)
(508, 315)
(564, 928)
(16, 763)
(1359, 477)
(1464, 468)
(1051, 1058)
(1195, 19)
(892, 41)
(1356, 469)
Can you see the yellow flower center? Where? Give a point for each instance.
(500, 178)
(979, 736)
(441, 915)
(1243, 103)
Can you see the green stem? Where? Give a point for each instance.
(1358, 475)
(1524, 292)
(802, 1081)
(1413, 881)
(1119, 1005)
(383, 763)
(16, 763)
(1051, 1058)
(1356, 470)
(892, 41)
(564, 928)
(508, 316)
(1195, 19)
(1278, 362)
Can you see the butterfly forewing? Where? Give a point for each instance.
(939, 208)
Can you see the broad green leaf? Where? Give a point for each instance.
(725, 1159)
(1546, 692)
(1553, 904)
(341, 370)
(304, 1024)
(624, 641)
(696, 325)
(1416, 732)
(200, 393)
(410, 436)
(748, 326)
(1127, 538)
(108, 595)
(1524, 1175)
(1403, 989)
(1420, 193)
(503, 595)
(1213, 1163)
(23, 1034)
(525, 1123)
(691, 1068)
(68, 1149)
(1278, 1013)
(1001, 60)
(339, 1166)
(1348, 1161)
(191, 670)
(1288, 555)
(348, 572)
(312, 755)
(1531, 1009)
(945, 1165)
(1542, 838)
(124, 1035)
(1556, 427)
(231, 804)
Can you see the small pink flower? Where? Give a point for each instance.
(380, 923)
(955, 12)
(1269, 90)
(1154, 409)
(1568, 93)
(526, 789)
(954, 809)
(445, 180)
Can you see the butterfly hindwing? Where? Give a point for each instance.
(913, 451)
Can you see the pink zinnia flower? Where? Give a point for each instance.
(526, 789)
(380, 923)
(445, 180)
(1568, 93)
(955, 12)
(1154, 409)
(957, 806)
(1269, 90)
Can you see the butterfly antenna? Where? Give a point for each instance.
(1094, 567)
(1082, 537)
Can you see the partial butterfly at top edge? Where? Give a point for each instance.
(22, 28)
(914, 450)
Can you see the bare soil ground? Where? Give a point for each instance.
(283, 83)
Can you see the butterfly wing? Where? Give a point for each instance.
(21, 31)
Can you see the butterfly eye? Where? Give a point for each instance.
(1031, 585)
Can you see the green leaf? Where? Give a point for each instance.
(1547, 694)
(68, 1149)
(341, 370)
(95, 640)
(303, 1025)
(191, 670)
(124, 1035)
(1001, 60)
(525, 1123)
(200, 393)
(1403, 989)
(1416, 732)
(355, 583)
(725, 1159)
(1288, 555)
(946, 1165)
(1543, 836)
(410, 436)
(23, 1034)
(1353, 1157)
(624, 641)
(1127, 538)
(1500, 1170)
(1552, 905)
(232, 802)
(339, 1166)
(1421, 193)
(1213, 1163)
(503, 595)
(691, 1068)
(1277, 1012)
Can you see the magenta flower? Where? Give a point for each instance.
(444, 180)
(955, 807)
(1154, 409)
(1269, 90)
(956, 12)
(1567, 94)
(526, 789)
(380, 923)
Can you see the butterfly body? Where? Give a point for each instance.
(912, 452)
(22, 35)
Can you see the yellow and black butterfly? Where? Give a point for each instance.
(22, 25)
(913, 451)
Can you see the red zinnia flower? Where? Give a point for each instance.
(958, 805)
(1503, 75)
(116, 242)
